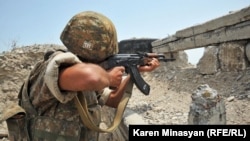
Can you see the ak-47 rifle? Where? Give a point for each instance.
(131, 63)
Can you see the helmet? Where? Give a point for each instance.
(91, 36)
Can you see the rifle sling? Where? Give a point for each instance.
(87, 120)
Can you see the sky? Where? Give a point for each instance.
(28, 22)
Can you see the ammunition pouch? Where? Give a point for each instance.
(48, 128)
(16, 123)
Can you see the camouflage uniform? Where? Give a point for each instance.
(51, 114)
(56, 116)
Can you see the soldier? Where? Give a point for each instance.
(48, 94)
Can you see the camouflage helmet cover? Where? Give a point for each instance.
(90, 35)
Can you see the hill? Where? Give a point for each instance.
(171, 87)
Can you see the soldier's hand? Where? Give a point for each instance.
(151, 65)
(116, 74)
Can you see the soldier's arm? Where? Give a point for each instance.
(116, 95)
(83, 76)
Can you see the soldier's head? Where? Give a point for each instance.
(91, 36)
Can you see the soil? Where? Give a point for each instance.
(169, 102)
(170, 95)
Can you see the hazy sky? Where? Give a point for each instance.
(29, 22)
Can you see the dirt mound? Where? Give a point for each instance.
(169, 100)
(170, 94)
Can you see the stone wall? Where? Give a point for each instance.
(234, 26)
(225, 57)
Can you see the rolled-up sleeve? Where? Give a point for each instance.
(52, 75)
(103, 96)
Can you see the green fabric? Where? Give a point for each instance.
(39, 134)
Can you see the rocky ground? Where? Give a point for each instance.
(170, 95)
(169, 101)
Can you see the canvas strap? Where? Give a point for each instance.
(87, 120)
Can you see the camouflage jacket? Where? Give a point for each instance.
(52, 114)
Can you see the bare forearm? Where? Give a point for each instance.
(83, 77)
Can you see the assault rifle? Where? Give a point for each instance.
(131, 63)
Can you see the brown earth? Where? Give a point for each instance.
(170, 95)
(170, 99)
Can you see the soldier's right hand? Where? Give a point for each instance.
(116, 74)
